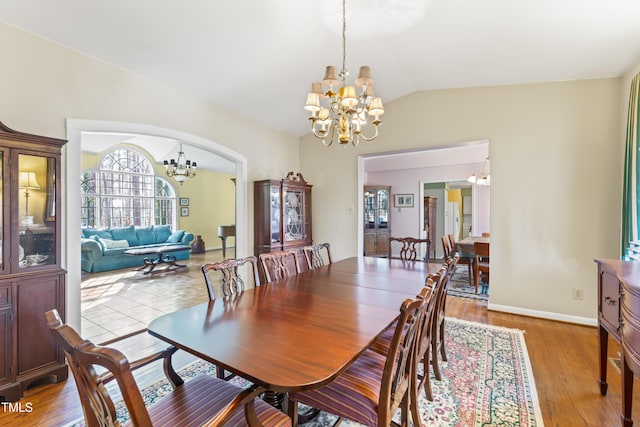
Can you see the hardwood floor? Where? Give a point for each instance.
(563, 356)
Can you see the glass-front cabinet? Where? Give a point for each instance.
(31, 279)
(282, 218)
(377, 220)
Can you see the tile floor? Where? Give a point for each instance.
(117, 302)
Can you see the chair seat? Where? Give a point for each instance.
(199, 399)
(354, 394)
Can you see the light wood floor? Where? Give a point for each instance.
(563, 356)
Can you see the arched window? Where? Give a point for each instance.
(124, 191)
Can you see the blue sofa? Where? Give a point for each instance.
(103, 249)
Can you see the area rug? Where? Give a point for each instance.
(459, 286)
(487, 381)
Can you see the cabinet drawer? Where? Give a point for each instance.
(5, 296)
(610, 304)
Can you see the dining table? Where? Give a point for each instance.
(300, 332)
(465, 246)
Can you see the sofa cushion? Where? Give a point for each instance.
(113, 244)
(125, 233)
(145, 235)
(90, 232)
(162, 232)
(176, 236)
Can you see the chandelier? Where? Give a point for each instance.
(482, 178)
(182, 169)
(344, 113)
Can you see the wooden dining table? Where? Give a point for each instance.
(303, 331)
(465, 246)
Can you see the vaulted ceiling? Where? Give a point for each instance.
(259, 57)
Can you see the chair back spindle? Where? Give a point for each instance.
(278, 265)
(232, 283)
(313, 255)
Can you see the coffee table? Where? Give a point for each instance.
(161, 257)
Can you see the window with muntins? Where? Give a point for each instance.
(124, 191)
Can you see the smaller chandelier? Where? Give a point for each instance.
(344, 113)
(483, 178)
(182, 169)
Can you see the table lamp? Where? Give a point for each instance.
(27, 180)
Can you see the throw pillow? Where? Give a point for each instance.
(162, 232)
(90, 232)
(113, 244)
(145, 235)
(176, 236)
(125, 233)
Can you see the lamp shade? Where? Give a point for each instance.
(28, 180)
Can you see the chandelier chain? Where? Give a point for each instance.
(344, 41)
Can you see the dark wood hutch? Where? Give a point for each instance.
(31, 280)
(282, 215)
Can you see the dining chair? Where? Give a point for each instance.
(408, 251)
(486, 234)
(446, 246)
(438, 338)
(467, 259)
(232, 282)
(452, 241)
(278, 265)
(374, 386)
(201, 400)
(313, 255)
(481, 261)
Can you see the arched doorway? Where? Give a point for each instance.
(71, 165)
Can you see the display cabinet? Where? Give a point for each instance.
(31, 279)
(430, 215)
(282, 219)
(377, 220)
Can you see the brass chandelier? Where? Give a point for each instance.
(182, 169)
(344, 114)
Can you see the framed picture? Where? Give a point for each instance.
(184, 211)
(184, 201)
(403, 200)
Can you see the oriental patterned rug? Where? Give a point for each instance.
(487, 381)
(460, 287)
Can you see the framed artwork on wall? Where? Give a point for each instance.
(184, 201)
(403, 200)
(184, 211)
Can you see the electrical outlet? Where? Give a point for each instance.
(576, 293)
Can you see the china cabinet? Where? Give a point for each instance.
(31, 279)
(282, 219)
(430, 214)
(377, 220)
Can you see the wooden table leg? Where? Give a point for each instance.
(603, 344)
(627, 393)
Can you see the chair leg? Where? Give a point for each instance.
(434, 354)
(425, 381)
(476, 277)
(292, 411)
(443, 351)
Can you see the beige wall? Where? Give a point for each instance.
(555, 176)
(44, 84)
(556, 161)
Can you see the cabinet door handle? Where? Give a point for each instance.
(609, 300)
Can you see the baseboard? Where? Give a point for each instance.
(587, 321)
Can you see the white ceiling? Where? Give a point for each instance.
(158, 147)
(259, 57)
